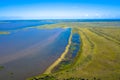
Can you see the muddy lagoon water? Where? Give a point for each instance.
(28, 52)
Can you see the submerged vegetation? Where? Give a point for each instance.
(4, 32)
(1, 68)
(98, 55)
(71, 54)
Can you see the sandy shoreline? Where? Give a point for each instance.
(48, 71)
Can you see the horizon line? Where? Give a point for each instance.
(68, 19)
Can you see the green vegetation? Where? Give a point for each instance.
(11, 73)
(1, 68)
(98, 57)
(68, 61)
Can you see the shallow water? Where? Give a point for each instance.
(29, 52)
(76, 42)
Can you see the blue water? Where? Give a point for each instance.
(84, 20)
(18, 24)
(76, 42)
(30, 52)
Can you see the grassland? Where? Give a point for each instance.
(99, 54)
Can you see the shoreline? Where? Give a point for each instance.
(52, 66)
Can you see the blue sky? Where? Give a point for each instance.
(59, 9)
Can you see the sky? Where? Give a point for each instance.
(59, 9)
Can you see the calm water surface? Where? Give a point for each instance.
(29, 52)
(19, 24)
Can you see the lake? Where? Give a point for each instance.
(29, 52)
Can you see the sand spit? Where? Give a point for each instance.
(48, 71)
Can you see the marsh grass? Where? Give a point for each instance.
(99, 54)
